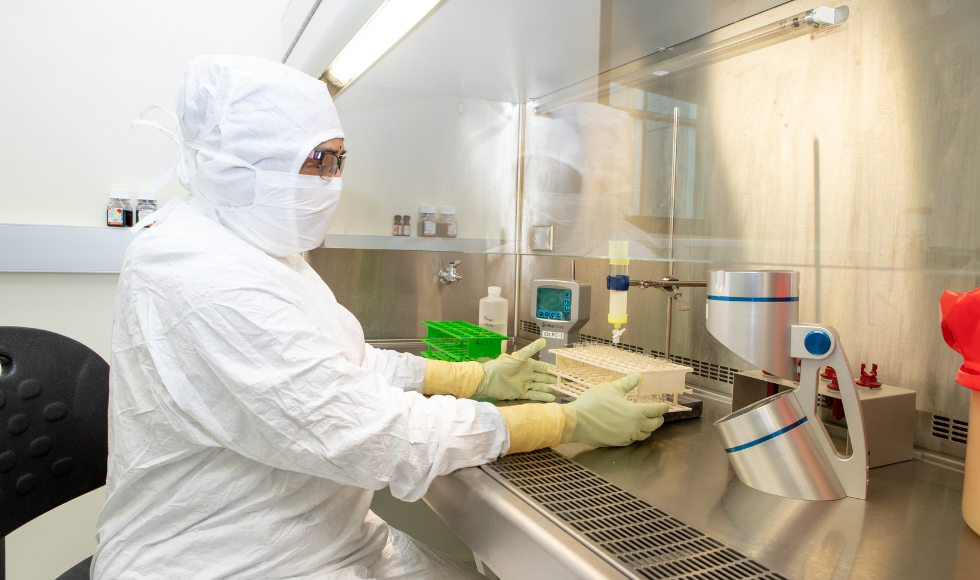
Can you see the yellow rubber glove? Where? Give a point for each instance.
(515, 376)
(459, 379)
(533, 426)
(518, 376)
(602, 417)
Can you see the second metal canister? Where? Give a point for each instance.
(772, 447)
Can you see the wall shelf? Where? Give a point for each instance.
(414, 243)
(63, 249)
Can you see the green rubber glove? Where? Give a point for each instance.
(602, 417)
(518, 376)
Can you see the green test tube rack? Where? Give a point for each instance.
(458, 341)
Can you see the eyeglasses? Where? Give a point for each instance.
(330, 164)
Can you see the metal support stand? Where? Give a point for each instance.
(670, 241)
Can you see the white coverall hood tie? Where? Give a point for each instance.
(244, 127)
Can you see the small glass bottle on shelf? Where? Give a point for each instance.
(396, 229)
(145, 205)
(446, 224)
(427, 221)
(116, 211)
(406, 225)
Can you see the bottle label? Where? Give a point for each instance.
(142, 214)
(428, 228)
(406, 230)
(452, 229)
(396, 230)
(114, 216)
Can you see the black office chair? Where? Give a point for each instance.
(54, 400)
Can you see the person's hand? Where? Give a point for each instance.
(517, 376)
(602, 417)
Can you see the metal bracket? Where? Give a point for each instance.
(852, 472)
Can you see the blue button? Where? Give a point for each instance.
(817, 343)
(540, 313)
(568, 293)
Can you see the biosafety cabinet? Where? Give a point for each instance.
(842, 151)
(835, 140)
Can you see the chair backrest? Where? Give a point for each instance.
(54, 402)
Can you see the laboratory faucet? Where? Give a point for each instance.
(449, 275)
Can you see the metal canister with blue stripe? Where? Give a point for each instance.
(772, 447)
(751, 312)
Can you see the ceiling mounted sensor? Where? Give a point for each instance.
(389, 24)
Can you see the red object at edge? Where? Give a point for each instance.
(834, 385)
(961, 331)
(869, 380)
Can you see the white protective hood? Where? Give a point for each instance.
(244, 128)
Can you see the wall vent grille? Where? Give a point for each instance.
(703, 369)
(640, 540)
(620, 346)
(952, 429)
(530, 327)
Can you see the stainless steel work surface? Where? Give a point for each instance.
(909, 527)
(509, 535)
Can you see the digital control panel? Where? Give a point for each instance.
(560, 308)
(554, 303)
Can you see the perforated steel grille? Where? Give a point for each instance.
(642, 541)
(530, 327)
(703, 369)
(622, 346)
(952, 429)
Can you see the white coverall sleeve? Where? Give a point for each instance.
(249, 371)
(400, 369)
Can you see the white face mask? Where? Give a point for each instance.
(290, 213)
(279, 213)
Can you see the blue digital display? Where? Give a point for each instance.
(554, 304)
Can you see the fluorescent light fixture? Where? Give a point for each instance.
(801, 24)
(393, 20)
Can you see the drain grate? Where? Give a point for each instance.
(640, 540)
(952, 429)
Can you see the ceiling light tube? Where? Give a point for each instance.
(389, 24)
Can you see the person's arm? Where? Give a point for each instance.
(249, 371)
(600, 417)
(509, 376)
(402, 370)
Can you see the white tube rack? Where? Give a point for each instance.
(581, 368)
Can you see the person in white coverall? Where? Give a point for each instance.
(249, 421)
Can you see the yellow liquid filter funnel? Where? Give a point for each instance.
(618, 282)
